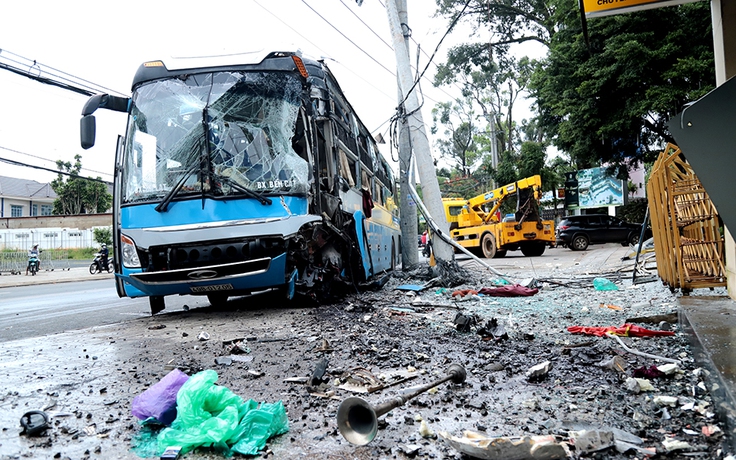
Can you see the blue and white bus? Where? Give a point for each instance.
(236, 177)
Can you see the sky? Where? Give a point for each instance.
(105, 43)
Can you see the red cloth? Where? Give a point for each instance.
(515, 290)
(367, 203)
(627, 330)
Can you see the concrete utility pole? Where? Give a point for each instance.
(409, 231)
(443, 252)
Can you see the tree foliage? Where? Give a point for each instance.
(77, 195)
(606, 103)
(102, 235)
(457, 123)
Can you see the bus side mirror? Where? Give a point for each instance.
(87, 131)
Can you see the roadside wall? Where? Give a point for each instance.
(51, 232)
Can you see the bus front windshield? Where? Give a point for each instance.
(219, 134)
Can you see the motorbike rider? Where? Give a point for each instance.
(103, 257)
(33, 252)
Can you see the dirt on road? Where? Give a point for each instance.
(527, 374)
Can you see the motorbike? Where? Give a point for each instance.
(96, 265)
(33, 264)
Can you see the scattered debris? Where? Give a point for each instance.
(493, 330)
(636, 386)
(671, 445)
(588, 441)
(539, 371)
(463, 322)
(203, 336)
(425, 431)
(319, 372)
(34, 423)
(610, 306)
(506, 448)
(157, 326)
(616, 363)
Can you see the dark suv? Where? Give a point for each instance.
(577, 232)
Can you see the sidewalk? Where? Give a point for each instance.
(51, 277)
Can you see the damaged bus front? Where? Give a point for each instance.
(244, 177)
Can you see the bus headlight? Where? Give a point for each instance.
(130, 255)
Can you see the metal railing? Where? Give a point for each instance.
(15, 262)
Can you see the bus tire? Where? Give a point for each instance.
(157, 304)
(488, 245)
(217, 300)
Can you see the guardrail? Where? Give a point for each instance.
(15, 262)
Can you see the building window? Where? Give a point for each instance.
(46, 209)
(16, 210)
(34, 210)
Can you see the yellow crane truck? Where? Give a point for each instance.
(476, 224)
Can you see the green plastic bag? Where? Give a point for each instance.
(602, 284)
(210, 415)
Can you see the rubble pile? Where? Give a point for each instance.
(532, 385)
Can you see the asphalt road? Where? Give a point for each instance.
(42, 309)
(67, 300)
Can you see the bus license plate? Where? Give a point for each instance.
(214, 287)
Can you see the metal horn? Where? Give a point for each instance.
(357, 420)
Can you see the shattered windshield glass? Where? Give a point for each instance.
(215, 133)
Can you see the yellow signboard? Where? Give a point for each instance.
(597, 8)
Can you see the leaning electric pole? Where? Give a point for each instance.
(407, 206)
(432, 198)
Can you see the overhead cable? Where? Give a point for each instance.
(56, 171)
(348, 39)
(48, 159)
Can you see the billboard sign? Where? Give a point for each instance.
(596, 189)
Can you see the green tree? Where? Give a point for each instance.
(102, 235)
(457, 123)
(608, 104)
(77, 195)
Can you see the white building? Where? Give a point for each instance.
(25, 198)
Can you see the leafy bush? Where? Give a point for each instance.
(103, 235)
(634, 211)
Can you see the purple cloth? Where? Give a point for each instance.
(159, 401)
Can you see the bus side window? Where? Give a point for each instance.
(346, 168)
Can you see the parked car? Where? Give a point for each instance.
(577, 232)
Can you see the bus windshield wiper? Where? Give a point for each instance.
(164, 204)
(258, 196)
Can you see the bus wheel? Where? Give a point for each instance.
(488, 246)
(217, 300)
(157, 303)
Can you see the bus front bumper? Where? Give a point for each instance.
(229, 279)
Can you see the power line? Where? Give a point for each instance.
(452, 24)
(348, 39)
(369, 27)
(47, 159)
(74, 79)
(25, 165)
